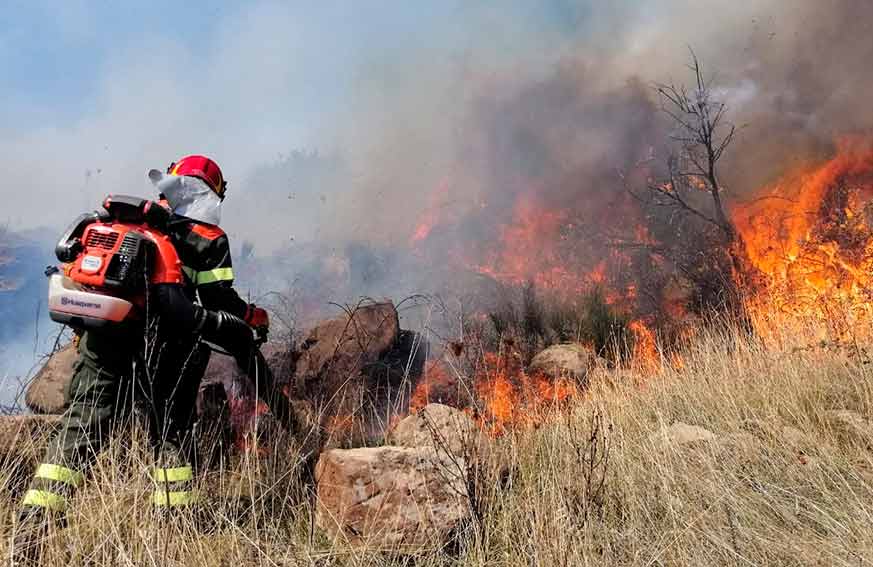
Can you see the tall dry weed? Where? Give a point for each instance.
(785, 479)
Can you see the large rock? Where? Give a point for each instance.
(340, 348)
(45, 393)
(570, 360)
(442, 428)
(351, 368)
(396, 498)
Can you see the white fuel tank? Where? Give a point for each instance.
(70, 304)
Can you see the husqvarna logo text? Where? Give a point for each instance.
(77, 303)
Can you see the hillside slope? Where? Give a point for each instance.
(747, 454)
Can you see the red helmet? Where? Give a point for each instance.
(202, 168)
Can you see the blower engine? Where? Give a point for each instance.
(109, 259)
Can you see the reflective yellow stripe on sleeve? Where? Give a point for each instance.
(216, 275)
(45, 499)
(178, 474)
(172, 499)
(59, 474)
(190, 272)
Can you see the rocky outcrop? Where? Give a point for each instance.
(442, 428)
(391, 498)
(45, 393)
(352, 366)
(569, 360)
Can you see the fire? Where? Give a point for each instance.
(529, 249)
(437, 384)
(511, 398)
(645, 347)
(811, 235)
(505, 397)
(432, 216)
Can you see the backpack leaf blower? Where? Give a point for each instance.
(109, 258)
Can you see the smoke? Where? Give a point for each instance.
(25, 329)
(344, 129)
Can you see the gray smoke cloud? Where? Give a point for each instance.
(391, 90)
(342, 128)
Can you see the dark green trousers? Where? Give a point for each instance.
(117, 371)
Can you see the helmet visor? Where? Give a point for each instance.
(188, 196)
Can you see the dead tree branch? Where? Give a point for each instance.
(703, 135)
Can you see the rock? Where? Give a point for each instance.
(45, 393)
(683, 434)
(24, 436)
(399, 498)
(443, 428)
(351, 368)
(570, 360)
(341, 347)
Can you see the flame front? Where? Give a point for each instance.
(808, 241)
(529, 249)
(810, 235)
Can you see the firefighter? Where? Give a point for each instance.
(194, 189)
(157, 365)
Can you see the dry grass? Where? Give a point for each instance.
(785, 481)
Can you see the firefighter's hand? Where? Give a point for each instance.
(258, 318)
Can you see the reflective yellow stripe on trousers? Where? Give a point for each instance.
(59, 474)
(45, 499)
(178, 474)
(173, 499)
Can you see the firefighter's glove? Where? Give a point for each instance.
(230, 333)
(258, 319)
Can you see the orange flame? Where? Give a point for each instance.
(511, 398)
(528, 249)
(436, 385)
(506, 397)
(645, 346)
(810, 234)
(431, 216)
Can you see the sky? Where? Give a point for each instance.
(96, 93)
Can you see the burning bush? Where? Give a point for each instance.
(811, 235)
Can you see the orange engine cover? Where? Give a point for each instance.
(117, 257)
